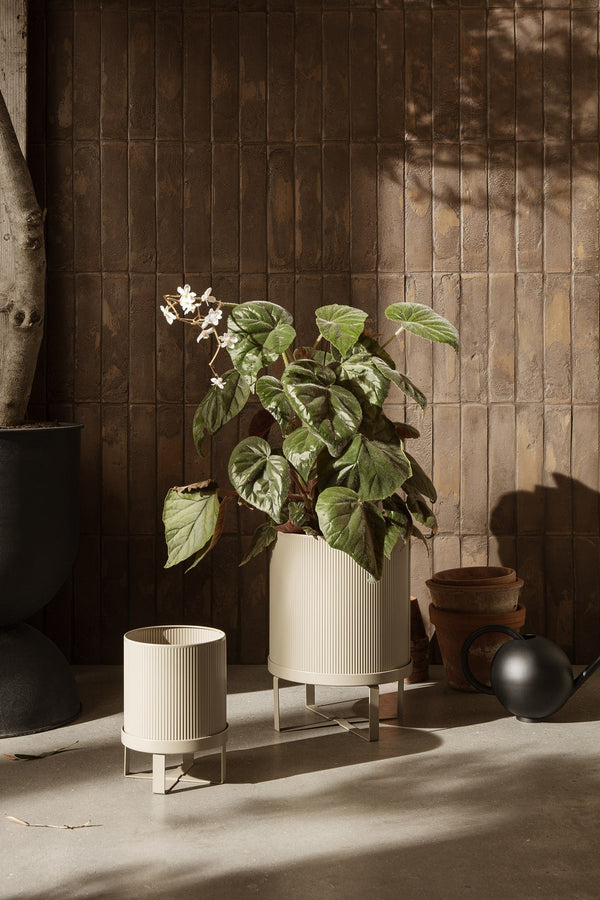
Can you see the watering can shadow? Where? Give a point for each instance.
(530, 675)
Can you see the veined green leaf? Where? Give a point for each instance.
(355, 526)
(359, 373)
(260, 477)
(421, 511)
(262, 538)
(371, 468)
(331, 412)
(340, 325)
(220, 405)
(424, 322)
(402, 381)
(419, 481)
(263, 331)
(398, 522)
(373, 347)
(271, 395)
(377, 427)
(301, 449)
(190, 519)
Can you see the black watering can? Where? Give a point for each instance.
(530, 676)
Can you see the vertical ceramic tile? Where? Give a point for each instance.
(389, 103)
(280, 93)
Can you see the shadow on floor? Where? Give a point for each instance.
(490, 827)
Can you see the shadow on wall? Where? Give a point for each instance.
(551, 536)
(503, 73)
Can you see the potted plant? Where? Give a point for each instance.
(340, 494)
(39, 469)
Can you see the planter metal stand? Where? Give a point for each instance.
(370, 734)
(160, 772)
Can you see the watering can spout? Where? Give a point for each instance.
(587, 672)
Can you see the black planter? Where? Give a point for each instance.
(39, 528)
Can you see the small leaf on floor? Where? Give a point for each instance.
(17, 756)
(18, 821)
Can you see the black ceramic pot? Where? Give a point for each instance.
(39, 528)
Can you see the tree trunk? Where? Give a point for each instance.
(22, 302)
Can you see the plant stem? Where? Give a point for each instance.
(395, 334)
(316, 344)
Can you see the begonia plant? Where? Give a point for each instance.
(322, 457)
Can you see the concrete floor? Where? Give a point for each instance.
(462, 801)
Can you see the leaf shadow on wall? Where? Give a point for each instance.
(551, 536)
(503, 78)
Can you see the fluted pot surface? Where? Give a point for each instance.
(330, 622)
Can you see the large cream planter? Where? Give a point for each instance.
(330, 622)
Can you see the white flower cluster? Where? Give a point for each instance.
(206, 322)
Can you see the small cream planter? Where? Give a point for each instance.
(331, 624)
(175, 695)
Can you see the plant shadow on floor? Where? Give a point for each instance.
(421, 829)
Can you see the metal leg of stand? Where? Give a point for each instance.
(401, 699)
(276, 714)
(373, 713)
(223, 764)
(369, 734)
(159, 772)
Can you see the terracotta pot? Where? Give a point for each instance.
(479, 589)
(476, 576)
(454, 627)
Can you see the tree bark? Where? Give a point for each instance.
(22, 302)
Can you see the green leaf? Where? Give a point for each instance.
(217, 533)
(271, 395)
(398, 522)
(355, 526)
(423, 321)
(419, 481)
(414, 532)
(403, 382)
(220, 405)
(190, 518)
(341, 325)
(377, 427)
(263, 331)
(263, 536)
(373, 469)
(421, 511)
(406, 431)
(374, 348)
(261, 478)
(332, 413)
(301, 449)
(360, 374)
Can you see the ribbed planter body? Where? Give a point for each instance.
(453, 628)
(175, 687)
(39, 528)
(330, 623)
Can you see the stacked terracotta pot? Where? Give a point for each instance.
(465, 599)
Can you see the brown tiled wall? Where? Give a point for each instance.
(323, 152)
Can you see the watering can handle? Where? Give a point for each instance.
(464, 653)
